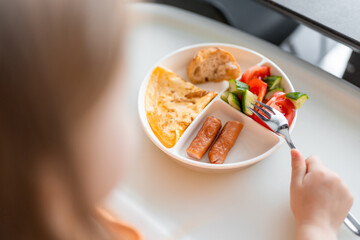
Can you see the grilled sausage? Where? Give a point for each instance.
(225, 142)
(204, 138)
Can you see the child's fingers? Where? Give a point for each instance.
(298, 166)
(313, 164)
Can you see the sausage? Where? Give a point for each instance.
(204, 138)
(225, 142)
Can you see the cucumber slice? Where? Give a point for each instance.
(246, 101)
(270, 93)
(237, 87)
(273, 82)
(297, 98)
(224, 96)
(234, 101)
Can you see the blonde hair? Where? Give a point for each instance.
(56, 57)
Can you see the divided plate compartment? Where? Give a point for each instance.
(254, 142)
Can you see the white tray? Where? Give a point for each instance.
(167, 201)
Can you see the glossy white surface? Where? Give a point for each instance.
(254, 142)
(167, 201)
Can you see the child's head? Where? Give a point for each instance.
(59, 112)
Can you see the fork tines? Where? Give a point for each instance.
(266, 106)
(265, 112)
(262, 117)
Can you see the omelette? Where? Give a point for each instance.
(171, 104)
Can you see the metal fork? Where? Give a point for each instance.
(277, 122)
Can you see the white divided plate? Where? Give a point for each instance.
(254, 142)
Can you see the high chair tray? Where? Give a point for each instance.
(165, 200)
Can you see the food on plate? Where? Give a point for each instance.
(171, 104)
(237, 87)
(297, 98)
(272, 82)
(271, 93)
(281, 103)
(255, 72)
(256, 84)
(247, 99)
(225, 95)
(233, 100)
(258, 87)
(213, 64)
(204, 138)
(225, 142)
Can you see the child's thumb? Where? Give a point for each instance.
(298, 166)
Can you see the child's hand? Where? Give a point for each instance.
(319, 199)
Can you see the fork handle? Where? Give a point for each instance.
(291, 144)
(286, 135)
(352, 223)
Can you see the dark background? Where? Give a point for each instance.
(256, 19)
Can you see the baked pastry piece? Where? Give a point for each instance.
(213, 64)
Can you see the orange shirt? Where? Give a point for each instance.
(120, 230)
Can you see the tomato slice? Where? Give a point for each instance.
(258, 87)
(279, 94)
(255, 72)
(284, 105)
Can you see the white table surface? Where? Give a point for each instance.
(168, 201)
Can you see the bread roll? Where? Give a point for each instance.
(213, 64)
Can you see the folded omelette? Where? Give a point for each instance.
(171, 104)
